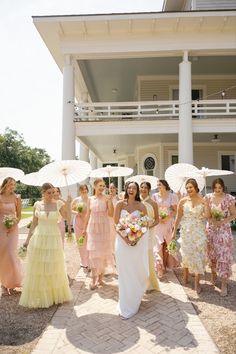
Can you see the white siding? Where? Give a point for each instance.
(215, 4)
(160, 88)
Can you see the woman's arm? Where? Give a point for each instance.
(232, 212)
(31, 229)
(207, 212)
(156, 214)
(117, 211)
(110, 206)
(178, 217)
(18, 208)
(86, 219)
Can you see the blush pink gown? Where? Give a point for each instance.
(10, 265)
(99, 244)
(79, 225)
(164, 230)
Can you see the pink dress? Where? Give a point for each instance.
(79, 225)
(164, 229)
(10, 265)
(220, 240)
(99, 243)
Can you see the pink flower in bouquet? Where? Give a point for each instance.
(132, 227)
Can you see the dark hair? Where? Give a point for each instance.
(165, 184)
(218, 181)
(147, 184)
(193, 182)
(82, 186)
(137, 197)
(5, 183)
(46, 186)
(58, 189)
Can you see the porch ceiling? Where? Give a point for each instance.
(115, 79)
(125, 145)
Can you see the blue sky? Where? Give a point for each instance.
(30, 81)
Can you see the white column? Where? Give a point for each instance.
(68, 126)
(93, 160)
(185, 112)
(84, 153)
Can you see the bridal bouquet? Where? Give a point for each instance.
(80, 207)
(163, 213)
(217, 213)
(9, 221)
(132, 227)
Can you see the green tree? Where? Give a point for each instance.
(15, 153)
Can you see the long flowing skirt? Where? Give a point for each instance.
(133, 272)
(45, 281)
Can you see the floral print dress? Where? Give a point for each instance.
(193, 240)
(220, 239)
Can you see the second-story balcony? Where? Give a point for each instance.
(152, 110)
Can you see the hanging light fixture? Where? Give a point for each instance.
(215, 139)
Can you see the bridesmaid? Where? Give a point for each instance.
(167, 203)
(219, 234)
(10, 266)
(45, 282)
(115, 199)
(61, 222)
(79, 223)
(99, 242)
(152, 211)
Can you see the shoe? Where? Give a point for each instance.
(224, 290)
(92, 286)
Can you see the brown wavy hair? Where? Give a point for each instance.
(137, 197)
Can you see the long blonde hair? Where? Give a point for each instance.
(5, 184)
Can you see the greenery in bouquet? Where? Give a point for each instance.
(132, 227)
(217, 214)
(22, 252)
(80, 241)
(80, 207)
(163, 213)
(9, 221)
(172, 247)
(29, 224)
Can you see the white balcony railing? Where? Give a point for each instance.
(152, 110)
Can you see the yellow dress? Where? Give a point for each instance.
(45, 282)
(153, 282)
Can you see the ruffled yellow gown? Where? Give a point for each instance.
(153, 282)
(45, 282)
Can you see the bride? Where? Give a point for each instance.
(132, 262)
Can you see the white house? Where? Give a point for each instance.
(146, 90)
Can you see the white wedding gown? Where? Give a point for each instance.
(133, 272)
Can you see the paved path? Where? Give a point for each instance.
(166, 323)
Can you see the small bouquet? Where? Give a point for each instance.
(217, 213)
(80, 207)
(163, 213)
(22, 251)
(172, 247)
(69, 237)
(9, 221)
(80, 241)
(132, 227)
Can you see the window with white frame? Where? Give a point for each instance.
(149, 164)
(227, 160)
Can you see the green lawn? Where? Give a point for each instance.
(27, 212)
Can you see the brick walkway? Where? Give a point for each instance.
(166, 323)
